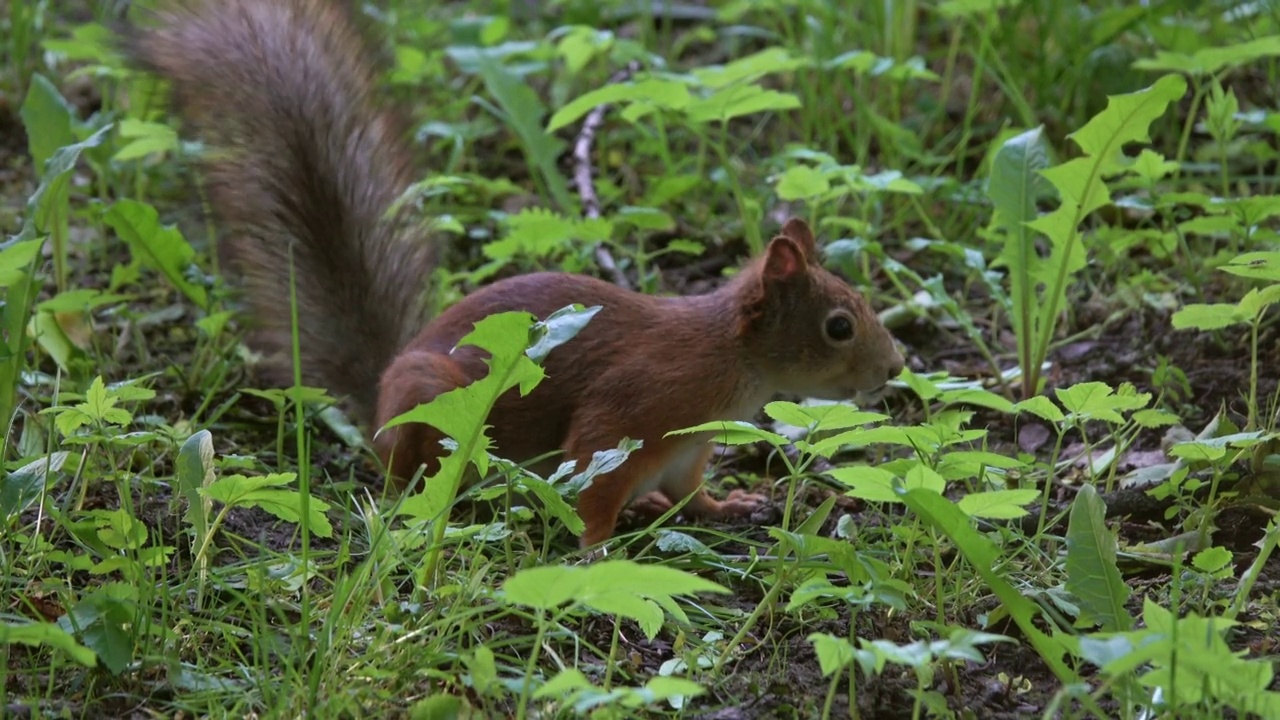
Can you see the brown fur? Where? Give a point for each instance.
(307, 160)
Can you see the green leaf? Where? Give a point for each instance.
(998, 504)
(961, 9)
(1081, 188)
(1208, 317)
(1098, 401)
(834, 653)
(48, 119)
(877, 484)
(1092, 575)
(539, 233)
(267, 493)
(105, 621)
(1212, 560)
(750, 68)
(145, 138)
(657, 92)
(984, 557)
(161, 248)
(733, 432)
(1013, 186)
(615, 587)
(1208, 61)
(194, 472)
(523, 111)
(21, 487)
(738, 101)
(48, 635)
(557, 329)
(801, 182)
(1262, 265)
(16, 259)
(48, 206)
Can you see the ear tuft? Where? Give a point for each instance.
(799, 230)
(783, 259)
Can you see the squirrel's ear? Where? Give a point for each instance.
(798, 230)
(783, 259)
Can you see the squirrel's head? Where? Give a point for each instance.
(813, 334)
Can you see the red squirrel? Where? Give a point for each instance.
(307, 162)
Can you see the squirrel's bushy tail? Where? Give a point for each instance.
(303, 163)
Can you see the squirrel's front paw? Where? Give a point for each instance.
(739, 503)
(650, 506)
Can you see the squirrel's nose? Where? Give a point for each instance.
(895, 366)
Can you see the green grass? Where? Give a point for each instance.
(1065, 508)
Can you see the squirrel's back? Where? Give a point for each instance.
(304, 162)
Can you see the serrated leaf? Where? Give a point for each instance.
(267, 493)
(802, 182)
(161, 248)
(1208, 316)
(998, 504)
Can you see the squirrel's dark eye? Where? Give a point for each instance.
(838, 328)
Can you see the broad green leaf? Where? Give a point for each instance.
(998, 504)
(539, 233)
(543, 588)
(1208, 61)
(659, 92)
(15, 260)
(733, 432)
(161, 248)
(105, 622)
(37, 634)
(1262, 265)
(553, 504)
(48, 205)
(621, 587)
(1152, 166)
(145, 138)
(267, 493)
(1099, 401)
(975, 396)
(566, 682)
(1208, 317)
(737, 101)
(802, 182)
(750, 68)
(1092, 575)
(831, 416)
(834, 653)
(48, 119)
(21, 487)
